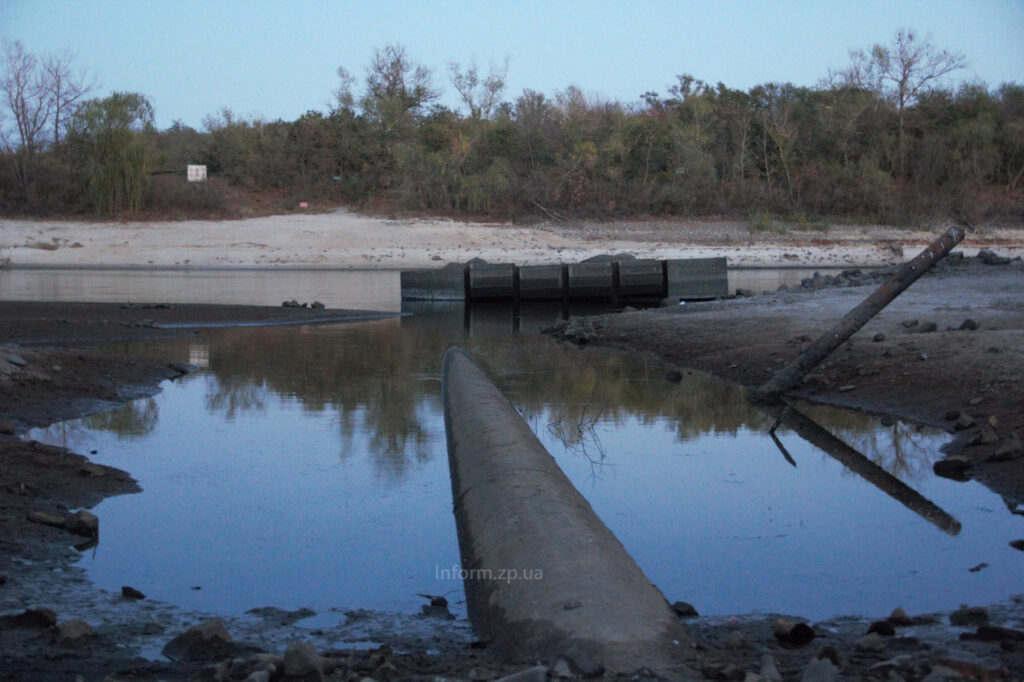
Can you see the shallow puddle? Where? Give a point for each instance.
(307, 467)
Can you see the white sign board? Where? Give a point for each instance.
(196, 173)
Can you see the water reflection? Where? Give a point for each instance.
(306, 467)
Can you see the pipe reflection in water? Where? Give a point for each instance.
(821, 438)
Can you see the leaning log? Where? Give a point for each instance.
(544, 577)
(790, 375)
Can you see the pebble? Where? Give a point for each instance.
(968, 325)
(964, 421)
(735, 640)
(209, 640)
(872, 643)
(968, 615)
(74, 632)
(769, 671)
(820, 670)
(878, 338)
(927, 328)
(846, 388)
(15, 360)
(900, 617)
(301, 660)
(882, 627)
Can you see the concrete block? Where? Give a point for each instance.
(444, 284)
(591, 280)
(697, 278)
(491, 280)
(540, 282)
(641, 278)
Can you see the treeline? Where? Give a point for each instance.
(883, 139)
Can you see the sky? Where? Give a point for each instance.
(278, 58)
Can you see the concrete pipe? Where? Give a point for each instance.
(543, 575)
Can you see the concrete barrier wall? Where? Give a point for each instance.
(543, 575)
(695, 278)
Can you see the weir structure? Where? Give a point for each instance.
(607, 278)
(544, 577)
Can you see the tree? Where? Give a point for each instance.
(66, 89)
(480, 96)
(397, 88)
(902, 72)
(107, 135)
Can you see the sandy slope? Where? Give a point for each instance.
(343, 239)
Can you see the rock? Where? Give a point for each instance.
(83, 523)
(990, 258)
(3, 579)
(820, 670)
(968, 616)
(290, 304)
(794, 634)
(735, 640)
(847, 388)
(900, 662)
(872, 643)
(744, 292)
(974, 402)
(940, 673)
(968, 325)
(963, 421)
(673, 376)
(954, 468)
(769, 672)
(537, 673)
(74, 632)
(259, 676)
(1009, 449)
(7, 427)
(671, 302)
(30, 619)
(994, 633)
(927, 328)
(909, 324)
(561, 669)
(302, 662)
(878, 338)
(317, 305)
(15, 360)
(899, 617)
(986, 436)
(129, 592)
(833, 654)
(882, 627)
(46, 518)
(204, 642)
(1016, 544)
(684, 609)
(952, 415)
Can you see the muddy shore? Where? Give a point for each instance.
(916, 374)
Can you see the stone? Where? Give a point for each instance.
(1009, 448)
(991, 258)
(909, 324)
(963, 421)
(986, 436)
(940, 673)
(794, 634)
(30, 619)
(832, 653)
(872, 643)
(537, 673)
(204, 642)
(735, 640)
(129, 592)
(994, 633)
(684, 609)
(878, 338)
(882, 627)
(83, 523)
(927, 328)
(302, 662)
(769, 671)
(952, 415)
(673, 376)
(847, 388)
(968, 325)
(46, 518)
(968, 616)
(74, 632)
(15, 360)
(3, 579)
(561, 669)
(899, 617)
(1016, 544)
(259, 676)
(7, 427)
(820, 670)
(954, 468)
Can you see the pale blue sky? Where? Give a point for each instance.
(278, 58)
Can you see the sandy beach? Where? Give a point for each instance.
(343, 239)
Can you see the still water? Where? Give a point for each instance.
(307, 466)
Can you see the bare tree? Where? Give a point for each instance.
(901, 72)
(342, 98)
(396, 87)
(481, 97)
(66, 88)
(26, 95)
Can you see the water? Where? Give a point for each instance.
(306, 466)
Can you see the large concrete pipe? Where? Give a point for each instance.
(543, 575)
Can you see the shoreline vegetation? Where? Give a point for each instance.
(889, 138)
